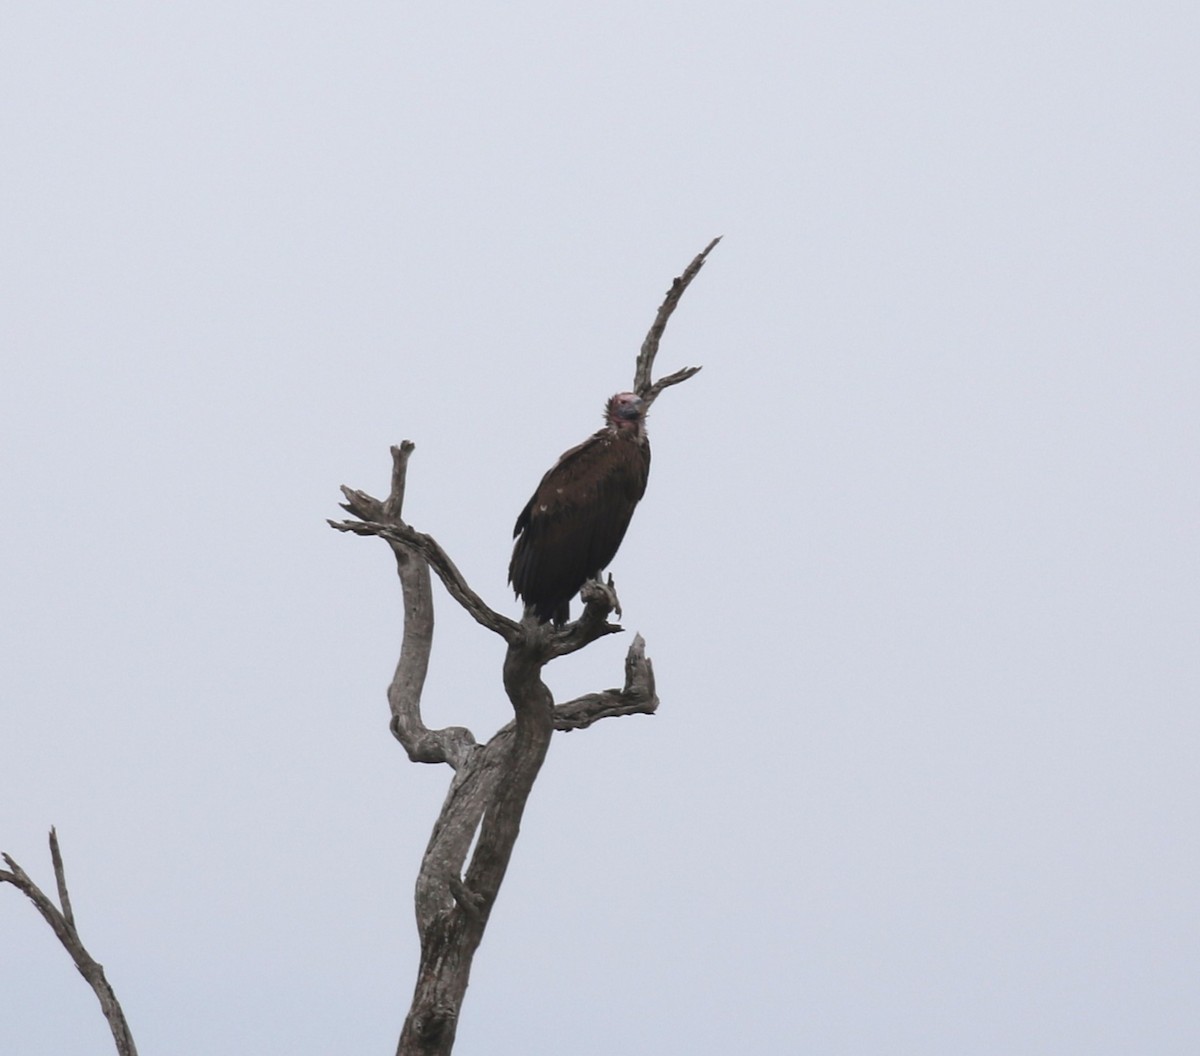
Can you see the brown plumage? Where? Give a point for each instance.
(570, 529)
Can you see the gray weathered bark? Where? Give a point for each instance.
(492, 782)
(63, 922)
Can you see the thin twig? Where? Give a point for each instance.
(395, 502)
(448, 573)
(667, 382)
(60, 878)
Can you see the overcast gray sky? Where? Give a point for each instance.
(917, 566)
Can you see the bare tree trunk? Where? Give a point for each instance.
(449, 938)
(492, 782)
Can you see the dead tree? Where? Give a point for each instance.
(62, 919)
(492, 781)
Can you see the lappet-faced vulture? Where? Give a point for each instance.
(572, 526)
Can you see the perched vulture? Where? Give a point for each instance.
(572, 526)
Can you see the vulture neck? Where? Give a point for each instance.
(622, 429)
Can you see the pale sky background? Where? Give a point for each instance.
(917, 566)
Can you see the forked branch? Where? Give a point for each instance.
(454, 743)
(62, 921)
(644, 370)
(457, 886)
(403, 538)
(486, 800)
(636, 698)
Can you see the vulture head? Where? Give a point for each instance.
(624, 411)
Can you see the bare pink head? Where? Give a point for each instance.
(624, 411)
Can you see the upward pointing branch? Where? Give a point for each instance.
(457, 886)
(645, 361)
(63, 923)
